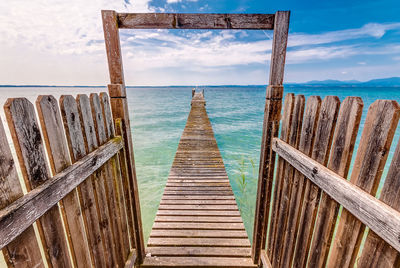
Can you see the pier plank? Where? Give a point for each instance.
(198, 222)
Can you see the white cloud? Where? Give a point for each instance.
(374, 30)
(59, 26)
(61, 42)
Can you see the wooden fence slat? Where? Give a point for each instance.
(285, 127)
(86, 117)
(379, 128)
(119, 107)
(128, 188)
(305, 145)
(25, 132)
(339, 162)
(376, 252)
(57, 150)
(117, 174)
(22, 213)
(320, 153)
(346, 193)
(89, 205)
(287, 177)
(24, 250)
(112, 203)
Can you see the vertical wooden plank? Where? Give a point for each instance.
(115, 216)
(127, 187)
(273, 105)
(376, 252)
(117, 174)
(113, 47)
(57, 150)
(279, 44)
(287, 177)
(24, 250)
(320, 152)
(25, 132)
(89, 204)
(339, 162)
(85, 114)
(305, 145)
(286, 122)
(379, 128)
(119, 107)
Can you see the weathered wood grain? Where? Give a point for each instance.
(266, 263)
(91, 143)
(379, 128)
(86, 191)
(24, 250)
(195, 21)
(127, 187)
(320, 152)
(194, 261)
(339, 161)
(28, 144)
(306, 143)
(272, 112)
(198, 241)
(279, 44)
(19, 215)
(287, 179)
(119, 107)
(376, 252)
(347, 194)
(200, 251)
(285, 128)
(113, 48)
(120, 175)
(57, 151)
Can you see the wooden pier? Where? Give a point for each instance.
(198, 222)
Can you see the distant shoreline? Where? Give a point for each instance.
(361, 85)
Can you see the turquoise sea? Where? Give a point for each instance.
(158, 116)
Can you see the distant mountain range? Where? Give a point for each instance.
(383, 82)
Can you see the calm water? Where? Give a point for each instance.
(158, 118)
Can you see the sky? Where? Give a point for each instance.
(60, 42)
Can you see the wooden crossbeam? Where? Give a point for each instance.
(195, 21)
(346, 193)
(21, 214)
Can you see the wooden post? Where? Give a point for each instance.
(272, 113)
(119, 107)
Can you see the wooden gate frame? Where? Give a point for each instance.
(279, 22)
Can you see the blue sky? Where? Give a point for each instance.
(61, 43)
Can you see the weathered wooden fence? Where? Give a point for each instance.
(315, 151)
(79, 192)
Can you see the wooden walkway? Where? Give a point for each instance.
(198, 222)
